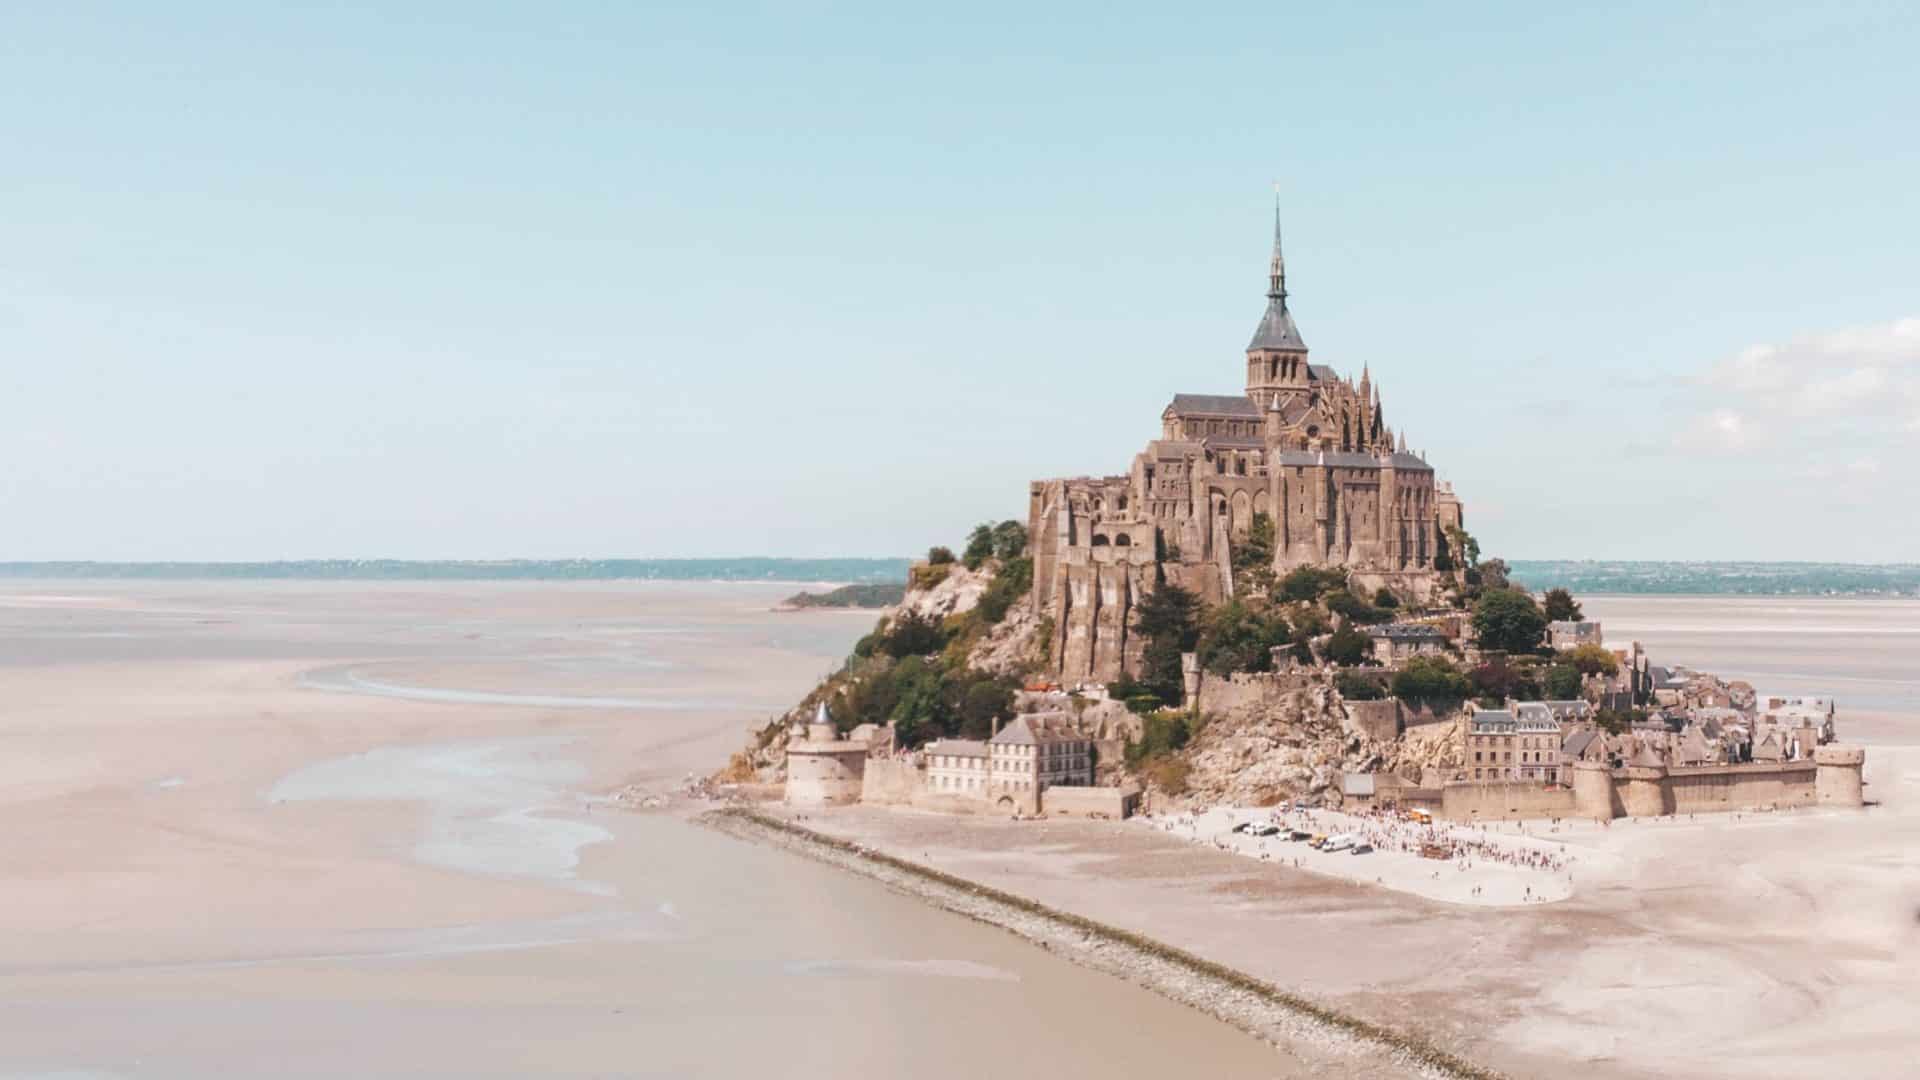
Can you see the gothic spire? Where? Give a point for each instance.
(1277, 272)
(1276, 329)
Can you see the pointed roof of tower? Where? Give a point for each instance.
(1276, 329)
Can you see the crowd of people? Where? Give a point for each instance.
(1465, 846)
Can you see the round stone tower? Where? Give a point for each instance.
(823, 769)
(1646, 791)
(1593, 790)
(1836, 779)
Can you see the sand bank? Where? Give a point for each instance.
(1303, 1029)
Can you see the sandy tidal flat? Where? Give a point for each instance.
(323, 829)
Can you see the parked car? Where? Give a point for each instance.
(1317, 840)
(1243, 827)
(1299, 834)
(1265, 828)
(1361, 849)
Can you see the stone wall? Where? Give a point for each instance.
(1598, 793)
(1469, 801)
(891, 782)
(1739, 787)
(1412, 717)
(1109, 802)
(1263, 689)
(1378, 720)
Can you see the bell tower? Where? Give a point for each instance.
(1276, 357)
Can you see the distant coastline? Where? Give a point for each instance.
(753, 568)
(1583, 577)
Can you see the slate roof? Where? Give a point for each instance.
(1492, 720)
(1348, 459)
(1406, 632)
(958, 747)
(1276, 329)
(1578, 742)
(1234, 405)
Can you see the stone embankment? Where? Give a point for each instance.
(1322, 1040)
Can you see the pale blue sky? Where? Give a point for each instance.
(619, 280)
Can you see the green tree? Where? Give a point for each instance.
(1357, 687)
(1237, 637)
(1253, 556)
(939, 556)
(1009, 540)
(982, 702)
(1168, 611)
(1311, 582)
(1165, 618)
(1616, 721)
(1348, 647)
(918, 712)
(1562, 682)
(912, 634)
(1508, 620)
(1161, 733)
(1462, 544)
(1494, 574)
(1560, 606)
(1356, 609)
(1498, 679)
(1384, 598)
(979, 547)
(1432, 680)
(1591, 659)
(1011, 582)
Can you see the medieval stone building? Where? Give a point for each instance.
(1307, 448)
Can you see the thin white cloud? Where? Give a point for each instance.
(1859, 387)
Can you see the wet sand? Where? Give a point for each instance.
(242, 840)
(312, 829)
(1784, 944)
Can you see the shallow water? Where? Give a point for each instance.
(1862, 651)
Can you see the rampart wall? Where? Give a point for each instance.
(1833, 779)
(1504, 802)
(1109, 802)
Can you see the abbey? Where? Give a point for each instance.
(1307, 448)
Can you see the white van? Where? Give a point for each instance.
(1339, 843)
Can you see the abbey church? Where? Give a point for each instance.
(1302, 445)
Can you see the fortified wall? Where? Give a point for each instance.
(1832, 778)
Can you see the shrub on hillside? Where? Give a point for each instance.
(1238, 637)
(1432, 680)
(1011, 582)
(1562, 682)
(1311, 582)
(1357, 687)
(1348, 647)
(1509, 621)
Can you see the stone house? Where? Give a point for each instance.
(1519, 744)
(1034, 753)
(1396, 643)
(957, 767)
(1566, 634)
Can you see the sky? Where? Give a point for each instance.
(624, 280)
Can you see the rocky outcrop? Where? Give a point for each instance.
(955, 594)
(1297, 743)
(1013, 646)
